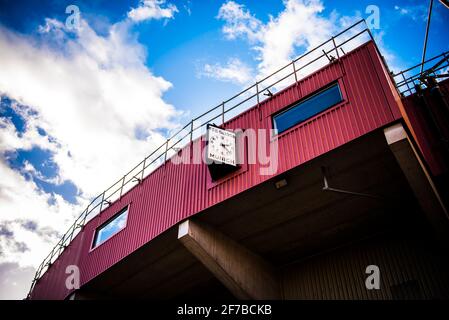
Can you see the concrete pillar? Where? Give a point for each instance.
(418, 178)
(243, 272)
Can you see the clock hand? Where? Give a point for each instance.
(226, 147)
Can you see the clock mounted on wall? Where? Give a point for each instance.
(221, 151)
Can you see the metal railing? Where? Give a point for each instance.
(407, 80)
(327, 52)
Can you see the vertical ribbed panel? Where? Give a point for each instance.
(427, 136)
(175, 192)
(341, 274)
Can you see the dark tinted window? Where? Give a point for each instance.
(308, 108)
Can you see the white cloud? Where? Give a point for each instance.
(233, 71)
(29, 169)
(298, 28)
(92, 95)
(11, 140)
(23, 202)
(152, 9)
(187, 7)
(414, 12)
(299, 25)
(13, 280)
(239, 21)
(92, 99)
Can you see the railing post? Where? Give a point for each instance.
(102, 200)
(87, 212)
(166, 150)
(369, 32)
(85, 217)
(258, 101)
(61, 245)
(39, 270)
(406, 83)
(257, 93)
(143, 168)
(222, 112)
(59, 249)
(51, 257)
(191, 139)
(294, 71)
(71, 233)
(335, 46)
(123, 183)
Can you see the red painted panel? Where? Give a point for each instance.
(175, 192)
(426, 136)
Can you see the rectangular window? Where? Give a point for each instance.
(111, 227)
(307, 108)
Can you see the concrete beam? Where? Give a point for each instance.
(86, 295)
(418, 178)
(243, 272)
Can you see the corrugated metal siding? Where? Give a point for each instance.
(52, 284)
(175, 192)
(341, 274)
(427, 140)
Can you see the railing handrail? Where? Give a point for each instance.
(419, 64)
(406, 85)
(138, 176)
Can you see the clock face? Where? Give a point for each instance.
(221, 146)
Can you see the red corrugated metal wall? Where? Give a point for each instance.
(175, 192)
(426, 136)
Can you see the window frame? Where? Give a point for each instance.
(97, 229)
(344, 100)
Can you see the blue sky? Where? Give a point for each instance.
(176, 47)
(78, 108)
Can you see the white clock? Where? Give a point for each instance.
(221, 146)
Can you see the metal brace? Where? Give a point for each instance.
(327, 188)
